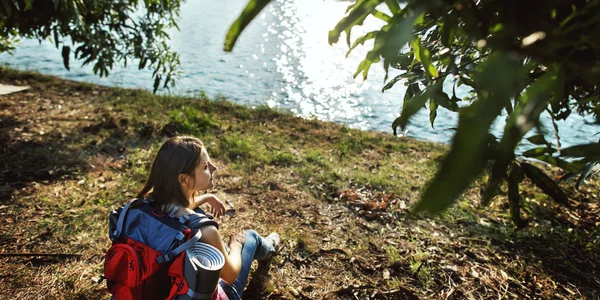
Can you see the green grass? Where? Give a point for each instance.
(393, 256)
(315, 157)
(235, 147)
(192, 121)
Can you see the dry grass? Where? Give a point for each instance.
(71, 152)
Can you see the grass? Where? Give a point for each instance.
(339, 198)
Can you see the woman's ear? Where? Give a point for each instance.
(183, 179)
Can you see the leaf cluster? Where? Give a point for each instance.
(101, 33)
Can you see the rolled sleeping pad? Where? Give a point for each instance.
(202, 267)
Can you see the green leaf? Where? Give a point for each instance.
(449, 29)
(514, 199)
(545, 183)
(572, 166)
(535, 152)
(364, 67)
(253, 8)
(55, 31)
(156, 83)
(441, 98)
(466, 158)
(407, 76)
(492, 186)
(422, 54)
(587, 169)
(361, 40)
(538, 139)
(411, 91)
(66, 54)
(432, 111)
(393, 6)
(409, 109)
(468, 81)
(380, 15)
(388, 42)
(358, 13)
(590, 152)
(142, 64)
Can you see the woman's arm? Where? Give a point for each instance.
(217, 207)
(233, 260)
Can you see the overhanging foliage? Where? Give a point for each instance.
(98, 32)
(525, 58)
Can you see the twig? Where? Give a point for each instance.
(39, 254)
(555, 129)
(269, 147)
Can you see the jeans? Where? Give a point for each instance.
(254, 247)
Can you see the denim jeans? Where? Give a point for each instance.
(254, 247)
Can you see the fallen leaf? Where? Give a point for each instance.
(474, 272)
(504, 275)
(386, 274)
(453, 268)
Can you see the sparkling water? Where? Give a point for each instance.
(281, 60)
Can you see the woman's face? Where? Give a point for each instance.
(203, 179)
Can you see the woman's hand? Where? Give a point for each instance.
(217, 208)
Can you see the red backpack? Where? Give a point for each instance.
(146, 258)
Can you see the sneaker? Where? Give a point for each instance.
(274, 239)
(265, 264)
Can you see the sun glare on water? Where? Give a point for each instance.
(317, 78)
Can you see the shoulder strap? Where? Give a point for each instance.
(198, 220)
(119, 228)
(169, 256)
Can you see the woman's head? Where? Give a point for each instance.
(181, 168)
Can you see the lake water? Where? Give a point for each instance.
(282, 60)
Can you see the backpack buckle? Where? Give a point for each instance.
(164, 258)
(184, 218)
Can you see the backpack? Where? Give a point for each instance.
(146, 258)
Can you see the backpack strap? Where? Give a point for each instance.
(119, 228)
(197, 220)
(173, 211)
(169, 256)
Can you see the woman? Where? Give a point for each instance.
(181, 169)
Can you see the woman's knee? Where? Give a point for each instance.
(252, 234)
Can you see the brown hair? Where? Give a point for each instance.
(178, 155)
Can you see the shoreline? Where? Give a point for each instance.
(199, 93)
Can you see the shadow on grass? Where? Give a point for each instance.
(569, 260)
(54, 156)
(26, 161)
